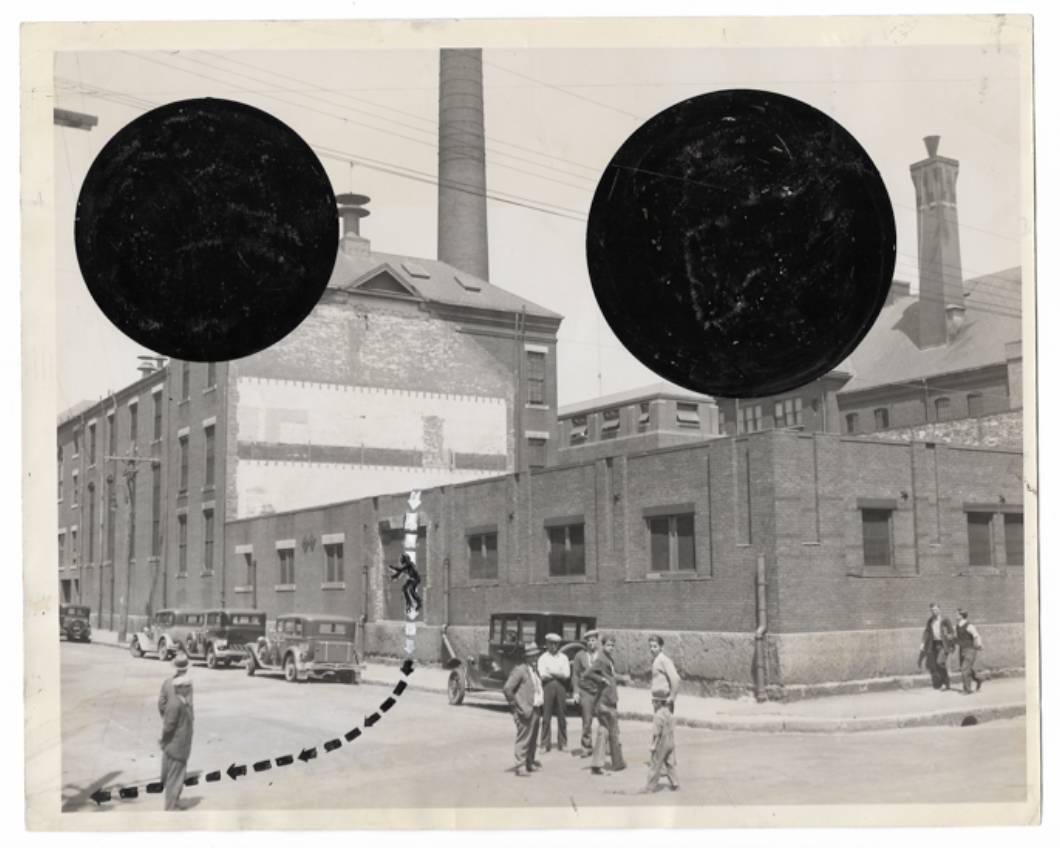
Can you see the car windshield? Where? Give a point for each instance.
(333, 628)
(249, 620)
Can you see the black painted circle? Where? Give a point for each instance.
(206, 230)
(741, 243)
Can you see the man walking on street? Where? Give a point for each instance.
(970, 644)
(554, 669)
(177, 726)
(663, 748)
(604, 674)
(936, 645)
(585, 689)
(525, 695)
(665, 680)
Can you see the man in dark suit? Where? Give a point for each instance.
(526, 696)
(936, 645)
(605, 676)
(166, 694)
(177, 726)
(585, 689)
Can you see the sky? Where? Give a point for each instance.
(553, 120)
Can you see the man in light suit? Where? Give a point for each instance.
(525, 695)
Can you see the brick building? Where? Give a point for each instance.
(856, 536)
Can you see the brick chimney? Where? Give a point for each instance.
(351, 210)
(462, 234)
(941, 283)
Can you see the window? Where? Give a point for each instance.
(91, 523)
(566, 550)
(211, 374)
(248, 563)
(76, 488)
(876, 536)
(975, 405)
(645, 417)
(535, 378)
(185, 380)
(112, 513)
(213, 619)
(333, 628)
(537, 453)
(286, 556)
(208, 433)
(92, 444)
(672, 542)
(59, 475)
(334, 570)
(942, 409)
(158, 416)
(62, 549)
(134, 423)
(882, 418)
(77, 443)
(112, 436)
(980, 542)
(156, 510)
(182, 545)
(183, 445)
(752, 418)
(688, 416)
(579, 429)
(73, 545)
(787, 413)
(612, 421)
(482, 556)
(852, 422)
(207, 540)
(1014, 538)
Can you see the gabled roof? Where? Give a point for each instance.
(434, 280)
(889, 353)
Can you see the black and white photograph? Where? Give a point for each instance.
(457, 422)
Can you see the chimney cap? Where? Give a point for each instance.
(351, 199)
(931, 142)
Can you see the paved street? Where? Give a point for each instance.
(438, 755)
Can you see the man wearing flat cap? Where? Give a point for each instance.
(554, 669)
(525, 695)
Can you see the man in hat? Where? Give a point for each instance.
(935, 647)
(585, 688)
(554, 669)
(526, 696)
(178, 724)
(180, 670)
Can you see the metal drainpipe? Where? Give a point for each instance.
(760, 631)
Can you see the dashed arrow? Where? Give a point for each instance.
(387, 704)
(332, 744)
(353, 734)
(235, 771)
(100, 796)
(371, 720)
(308, 754)
(407, 667)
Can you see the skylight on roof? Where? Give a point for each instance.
(415, 270)
(468, 283)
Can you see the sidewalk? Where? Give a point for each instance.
(1000, 698)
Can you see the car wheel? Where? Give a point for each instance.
(211, 658)
(457, 688)
(290, 670)
(134, 648)
(251, 666)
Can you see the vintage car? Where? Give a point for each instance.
(74, 623)
(223, 637)
(509, 632)
(167, 633)
(301, 646)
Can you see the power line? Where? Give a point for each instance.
(566, 91)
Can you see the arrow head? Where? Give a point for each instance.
(235, 771)
(308, 754)
(370, 720)
(100, 796)
(406, 667)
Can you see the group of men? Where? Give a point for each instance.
(537, 690)
(939, 641)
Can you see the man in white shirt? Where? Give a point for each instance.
(664, 677)
(554, 669)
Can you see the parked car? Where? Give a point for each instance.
(509, 632)
(301, 646)
(223, 637)
(167, 633)
(74, 623)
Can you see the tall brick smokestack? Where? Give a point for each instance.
(941, 285)
(462, 234)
